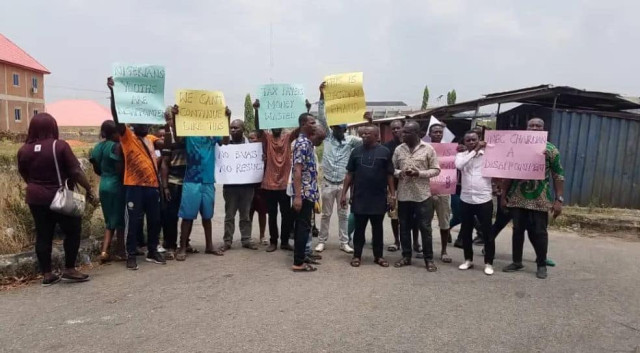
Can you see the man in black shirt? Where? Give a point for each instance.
(396, 131)
(370, 170)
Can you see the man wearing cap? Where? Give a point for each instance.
(337, 149)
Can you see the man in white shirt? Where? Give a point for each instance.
(475, 201)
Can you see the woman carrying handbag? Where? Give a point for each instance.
(51, 170)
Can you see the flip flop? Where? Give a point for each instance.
(311, 261)
(305, 268)
(403, 262)
(392, 248)
(382, 262)
(445, 258)
(191, 250)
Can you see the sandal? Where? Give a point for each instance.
(181, 257)
(250, 246)
(392, 248)
(405, 261)
(431, 267)
(355, 262)
(191, 250)
(382, 262)
(315, 256)
(445, 258)
(305, 268)
(216, 252)
(170, 255)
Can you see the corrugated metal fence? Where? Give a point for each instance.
(600, 157)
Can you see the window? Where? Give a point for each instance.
(34, 82)
(35, 112)
(17, 114)
(16, 80)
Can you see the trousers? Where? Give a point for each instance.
(302, 231)
(45, 222)
(483, 213)
(142, 201)
(361, 221)
(237, 199)
(535, 224)
(331, 194)
(422, 212)
(280, 198)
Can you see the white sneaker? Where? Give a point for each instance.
(320, 247)
(488, 269)
(466, 265)
(161, 249)
(346, 248)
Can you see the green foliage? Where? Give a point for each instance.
(249, 116)
(451, 97)
(425, 98)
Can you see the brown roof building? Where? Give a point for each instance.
(21, 87)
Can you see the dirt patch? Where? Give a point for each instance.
(612, 222)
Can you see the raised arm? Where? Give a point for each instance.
(114, 111)
(226, 139)
(322, 118)
(256, 108)
(463, 158)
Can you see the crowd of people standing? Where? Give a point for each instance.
(160, 180)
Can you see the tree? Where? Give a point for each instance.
(249, 117)
(451, 97)
(425, 98)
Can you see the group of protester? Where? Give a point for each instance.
(164, 179)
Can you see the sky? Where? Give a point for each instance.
(475, 47)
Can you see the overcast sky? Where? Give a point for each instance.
(476, 47)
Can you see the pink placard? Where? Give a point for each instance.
(515, 154)
(445, 182)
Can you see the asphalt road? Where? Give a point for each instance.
(251, 301)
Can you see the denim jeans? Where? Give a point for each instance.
(423, 214)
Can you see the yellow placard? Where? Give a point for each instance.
(344, 98)
(201, 113)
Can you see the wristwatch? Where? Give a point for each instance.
(560, 199)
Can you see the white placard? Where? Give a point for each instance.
(239, 164)
(447, 136)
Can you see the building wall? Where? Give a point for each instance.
(21, 96)
(598, 153)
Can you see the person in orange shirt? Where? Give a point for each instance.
(142, 188)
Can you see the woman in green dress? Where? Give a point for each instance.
(107, 159)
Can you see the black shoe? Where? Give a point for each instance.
(272, 247)
(286, 246)
(542, 272)
(516, 266)
(458, 244)
(156, 258)
(132, 264)
(51, 280)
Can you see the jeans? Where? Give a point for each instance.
(535, 224)
(483, 212)
(423, 214)
(303, 232)
(45, 221)
(359, 234)
(237, 199)
(331, 194)
(142, 201)
(170, 218)
(280, 198)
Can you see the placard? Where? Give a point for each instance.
(447, 135)
(515, 154)
(202, 113)
(280, 105)
(445, 182)
(344, 98)
(239, 164)
(138, 91)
